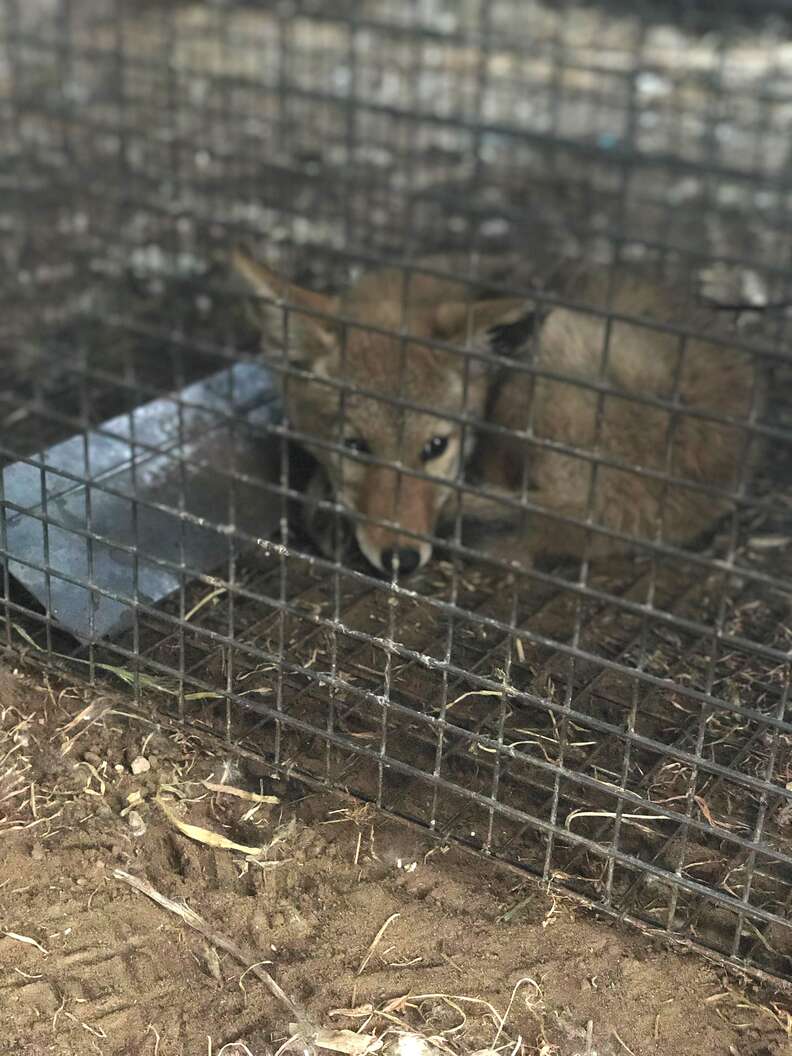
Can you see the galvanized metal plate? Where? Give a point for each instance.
(145, 500)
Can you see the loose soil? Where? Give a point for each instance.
(89, 965)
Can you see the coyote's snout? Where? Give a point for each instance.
(618, 424)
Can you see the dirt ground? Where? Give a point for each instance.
(364, 924)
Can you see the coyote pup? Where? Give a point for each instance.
(644, 450)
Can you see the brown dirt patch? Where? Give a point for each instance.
(123, 976)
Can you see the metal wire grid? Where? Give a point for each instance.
(621, 728)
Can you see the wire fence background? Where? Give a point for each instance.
(619, 727)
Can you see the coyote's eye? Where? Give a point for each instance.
(357, 444)
(434, 448)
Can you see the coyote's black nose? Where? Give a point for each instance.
(407, 560)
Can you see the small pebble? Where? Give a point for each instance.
(136, 824)
(140, 765)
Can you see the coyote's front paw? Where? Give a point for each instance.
(327, 529)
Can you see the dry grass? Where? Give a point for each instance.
(22, 804)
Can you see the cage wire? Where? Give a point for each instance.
(617, 725)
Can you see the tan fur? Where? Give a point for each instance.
(712, 377)
(638, 361)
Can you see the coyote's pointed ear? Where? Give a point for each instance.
(309, 337)
(501, 326)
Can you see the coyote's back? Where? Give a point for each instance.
(649, 432)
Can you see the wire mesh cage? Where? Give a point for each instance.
(499, 539)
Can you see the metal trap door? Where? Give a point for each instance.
(121, 515)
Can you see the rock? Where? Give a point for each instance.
(136, 824)
(140, 765)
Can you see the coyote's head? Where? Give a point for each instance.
(381, 408)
